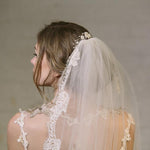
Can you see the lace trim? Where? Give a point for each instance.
(22, 137)
(61, 100)
(103, 113)
(126, 133)
(52, 143)
(71, 121)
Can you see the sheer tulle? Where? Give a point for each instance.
(95, 104)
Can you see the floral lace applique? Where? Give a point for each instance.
(52, 143)
(22, 137)
(100, 112)
(74, 59)
(71, 121)
(126, 133)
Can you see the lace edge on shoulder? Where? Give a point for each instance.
(126, 132)
(20, 122)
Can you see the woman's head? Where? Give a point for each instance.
(54, 45)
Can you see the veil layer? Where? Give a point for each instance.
(95, 106)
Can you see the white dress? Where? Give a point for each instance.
(53, 143)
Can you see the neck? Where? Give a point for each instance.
(55, 91)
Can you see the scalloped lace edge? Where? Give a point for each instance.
(20, 122)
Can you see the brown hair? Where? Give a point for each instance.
(57, 41)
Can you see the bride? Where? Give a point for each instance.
(94, 105)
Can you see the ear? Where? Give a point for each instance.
(57, 75)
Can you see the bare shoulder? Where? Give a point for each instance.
(34, 127)
(126, 127)
(129, 130)
(37, 122)
(13, 132)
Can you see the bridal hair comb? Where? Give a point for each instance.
(83, 36)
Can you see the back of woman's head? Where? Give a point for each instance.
(57, 40)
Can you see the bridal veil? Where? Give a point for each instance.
(95, 107)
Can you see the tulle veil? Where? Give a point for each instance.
(95, 107)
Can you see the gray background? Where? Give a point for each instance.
(124, 25)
